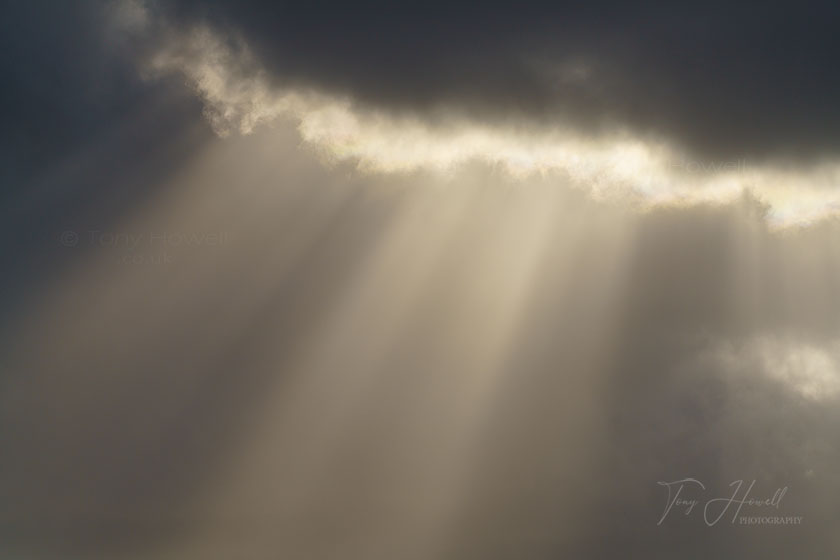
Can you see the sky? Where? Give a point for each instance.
(426, 281)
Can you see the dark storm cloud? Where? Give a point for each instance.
(64, 84)
(726, 80)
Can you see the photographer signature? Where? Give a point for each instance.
(715, 508)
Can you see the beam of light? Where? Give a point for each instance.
(392, 368)
(376, 425)
(239, 97)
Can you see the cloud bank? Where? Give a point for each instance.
(240, 94)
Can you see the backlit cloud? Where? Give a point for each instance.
(617, 165)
